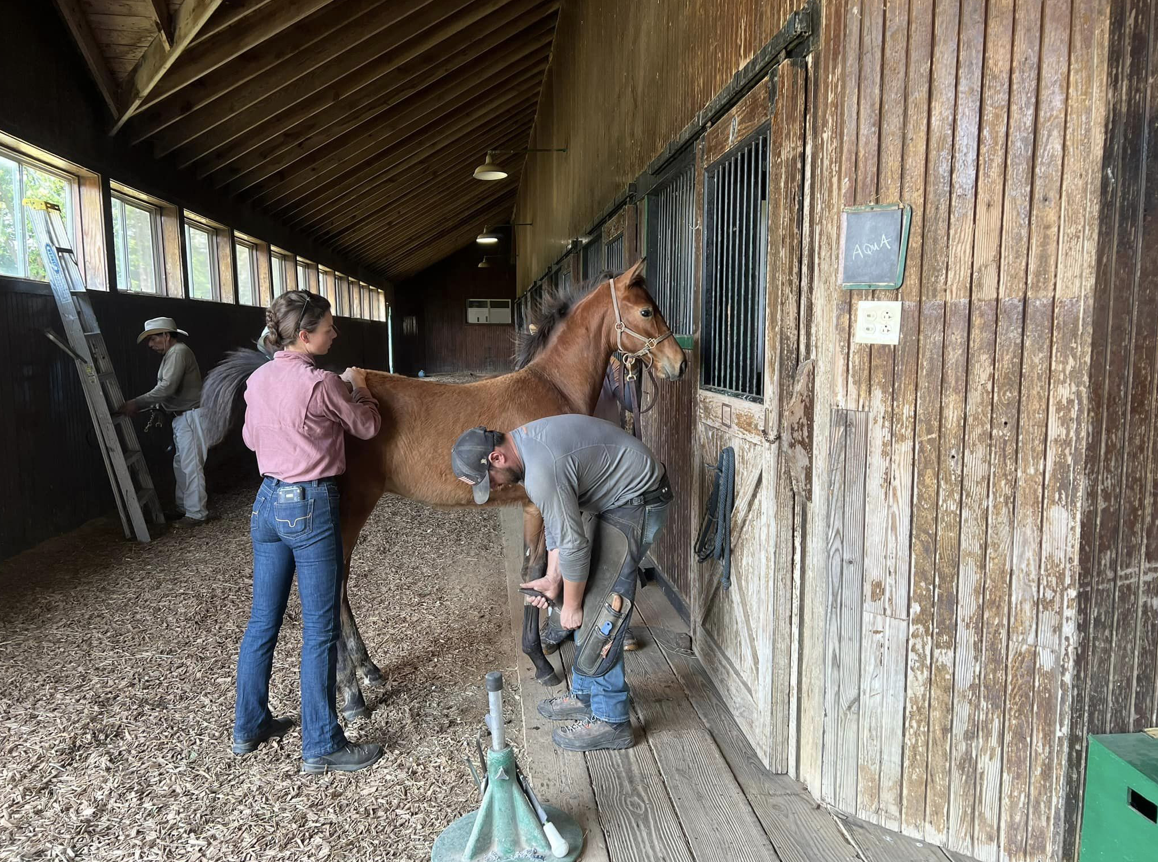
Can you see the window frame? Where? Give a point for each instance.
(75, 229)
(283, 258)
(254, 269)
(156, 228)
(507, 305)
(213, 234)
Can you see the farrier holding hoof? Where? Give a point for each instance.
(570, 465)
(296, 418)
(178, 392)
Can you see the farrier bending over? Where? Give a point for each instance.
(570, 465)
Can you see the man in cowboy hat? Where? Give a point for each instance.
(178, 392)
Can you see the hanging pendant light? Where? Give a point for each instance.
(488, 170)
(487, 237)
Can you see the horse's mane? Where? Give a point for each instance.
(555, 306)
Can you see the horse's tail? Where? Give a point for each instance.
(222, 391)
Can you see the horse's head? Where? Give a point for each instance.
(639, 327)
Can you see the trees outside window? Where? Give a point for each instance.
(201, 253)
(21, 178)
(137, 246)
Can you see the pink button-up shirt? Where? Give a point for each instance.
(295, 416)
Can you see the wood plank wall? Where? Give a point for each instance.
(1115, 688)
(989, 119)
(438, 296)
(624, 79)
(51, 475)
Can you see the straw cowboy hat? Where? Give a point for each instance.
(160, 324)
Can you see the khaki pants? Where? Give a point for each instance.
(189, 464)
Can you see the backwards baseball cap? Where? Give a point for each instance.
(470, 457)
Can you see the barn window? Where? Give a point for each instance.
(201, 255)
(137, 246)
(488, 311)
(671, 250)
(613, 254)
(247, 280)
(735, 270)
(327, 289)
(593, 257)
(304, 276)
(279, 264)
(22, 178)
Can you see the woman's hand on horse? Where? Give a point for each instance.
(356, 377)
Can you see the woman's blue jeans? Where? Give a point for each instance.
(304, 535)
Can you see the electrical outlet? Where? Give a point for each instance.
(878, 322)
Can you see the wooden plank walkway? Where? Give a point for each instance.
(692, 788)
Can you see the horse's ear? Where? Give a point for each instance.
(635, 272)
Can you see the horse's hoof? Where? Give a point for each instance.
(372, 677)
(549, 680)
(355, 714)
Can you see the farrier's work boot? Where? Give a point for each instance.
(591, 734)
(565, 707)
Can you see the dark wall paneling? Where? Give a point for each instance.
(438, 295)
(52, 478)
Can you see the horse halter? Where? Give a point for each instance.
(649, 344)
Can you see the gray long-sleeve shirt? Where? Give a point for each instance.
(178, 382)
(575, 464)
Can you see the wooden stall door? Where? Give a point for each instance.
(744, 633)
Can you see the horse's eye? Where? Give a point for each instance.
(645, 312)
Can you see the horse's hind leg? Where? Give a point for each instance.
(350, 701)
(357, 504)
(363, 665)
(534, 544)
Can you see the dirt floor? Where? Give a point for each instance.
(117, 662)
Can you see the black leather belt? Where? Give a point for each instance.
(661, 493)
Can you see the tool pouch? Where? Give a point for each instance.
(610, 598)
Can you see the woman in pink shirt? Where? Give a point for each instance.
(296, 419)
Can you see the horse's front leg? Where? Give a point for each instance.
(534, 567)
(357, 504)
(364, 666)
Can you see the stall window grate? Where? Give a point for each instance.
(671, 253)
(592, 258)
(735, 271)
(613, 255)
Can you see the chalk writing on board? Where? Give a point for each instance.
(868, 249)
(873, 245)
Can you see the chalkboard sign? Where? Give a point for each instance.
(873, 246)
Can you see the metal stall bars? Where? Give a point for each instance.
(735, 269)
(137, 501)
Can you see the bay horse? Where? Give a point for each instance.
(560, 369)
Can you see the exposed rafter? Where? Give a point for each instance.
(159, 56)
(164, 20)
(78, 25)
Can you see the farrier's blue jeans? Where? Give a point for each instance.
(304, 535)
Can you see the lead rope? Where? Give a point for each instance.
(715, 538)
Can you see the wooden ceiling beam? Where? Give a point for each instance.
(432, 194)
(158, 58)
(425, 255)
(352, 176)
(164, 20)
(410, 218)
(452, 238)
(295, 44)
(416, 168)
(78, 24)
(229, 44)
(296, 129)
(423, 175)
(347, 60)
(227, 15)
(454, 235)
(423, 110)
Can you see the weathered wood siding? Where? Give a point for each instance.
(624, 79)
(962, 715)
(1116, 670)
(438, 295)
(988, 119)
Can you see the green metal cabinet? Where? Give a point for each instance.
(1120, 813)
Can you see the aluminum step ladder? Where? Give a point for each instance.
(136, 498)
